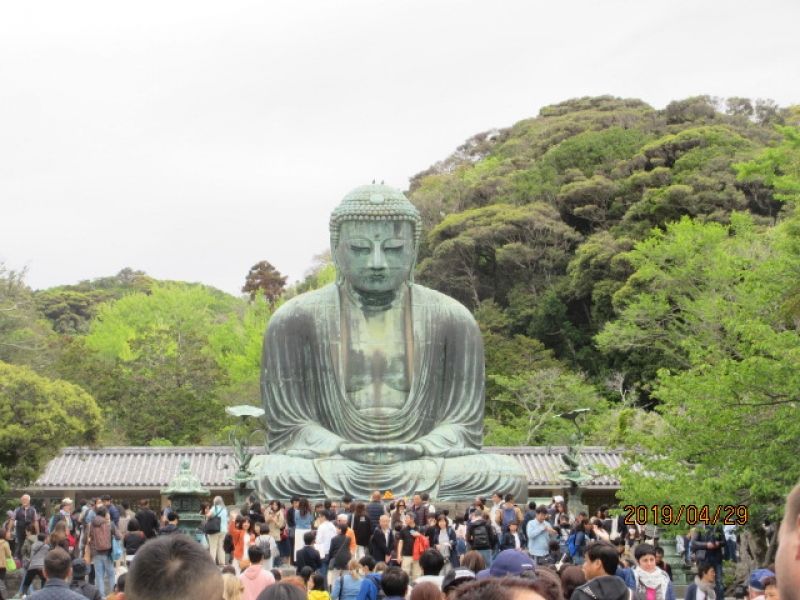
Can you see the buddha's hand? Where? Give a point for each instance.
(381, 454)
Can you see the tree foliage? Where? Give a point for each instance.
(265, 280)
(720, 317)
(37, 417)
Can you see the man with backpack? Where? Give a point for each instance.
(481, 536)
(509, 513)
(98, 549)
(538, 533)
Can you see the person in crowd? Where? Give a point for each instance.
(432, 563)
(707, 545)
(326, 531)
(292, 588)
(362, 529)
(79, 583)
(269, 549)
(276, 521)
(148, 521)
(394, 583)
(481, 535)
(771, 591)
(703, 586)
(317, 590)
(538, 534)
(443, 538)
(64, 513)
(6, 554)
(61, 538)
(99, 545)
(426, 591)
(24, 516)
(173, 567)
(455, 578)
(508, 588)
(255, 578)
(232, 588)
(339, 556)
(347, 585)
(398, 514)
(787, 559)
(171, 526)
(600, 567)
(58, 573)
(111, 509)
(648, 578)
(756, 583)
(600, 533)
(578, 539)
(217, 510)
(474, 561)
(303, 518)
(511, 538)
(371, 584)
(509, 513)
(382, 540)
(508, 562)
(308, 555)
(571, 578)
(405, 546)
(35, 566)
(241, 536)
(133, 540)
(661, 563)
(346, 519)
(375, 508)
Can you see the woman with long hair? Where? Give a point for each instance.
(232, 587)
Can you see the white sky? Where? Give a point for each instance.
(191, 139)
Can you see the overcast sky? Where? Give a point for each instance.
(193, 139)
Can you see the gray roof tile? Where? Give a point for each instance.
(154, 467)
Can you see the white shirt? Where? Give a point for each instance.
(325, 533)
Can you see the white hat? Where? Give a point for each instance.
(558, 498)
(66, 501)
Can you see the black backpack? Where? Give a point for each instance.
(265, 548)
(227, 543)
(480, 537)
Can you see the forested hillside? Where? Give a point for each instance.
(643, 263)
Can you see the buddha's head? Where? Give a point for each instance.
(375, 233)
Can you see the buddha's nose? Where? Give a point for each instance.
(378, 259)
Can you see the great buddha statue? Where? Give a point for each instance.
(374, 382)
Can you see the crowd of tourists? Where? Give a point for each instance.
(381, 548)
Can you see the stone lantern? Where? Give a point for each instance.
(186, 493)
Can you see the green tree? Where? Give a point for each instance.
(156, 361)
(37, 417)
(713, 302)
(70, 308)
(25, 338)
(264, 279)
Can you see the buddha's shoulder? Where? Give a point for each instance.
(433, 299)
(306, 304)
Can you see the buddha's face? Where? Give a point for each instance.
(375, 256)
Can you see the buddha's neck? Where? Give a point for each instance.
(374, 301)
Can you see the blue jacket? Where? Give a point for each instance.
(370, 586)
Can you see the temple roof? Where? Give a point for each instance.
(153, 468)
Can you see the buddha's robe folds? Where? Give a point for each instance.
(309, 413)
